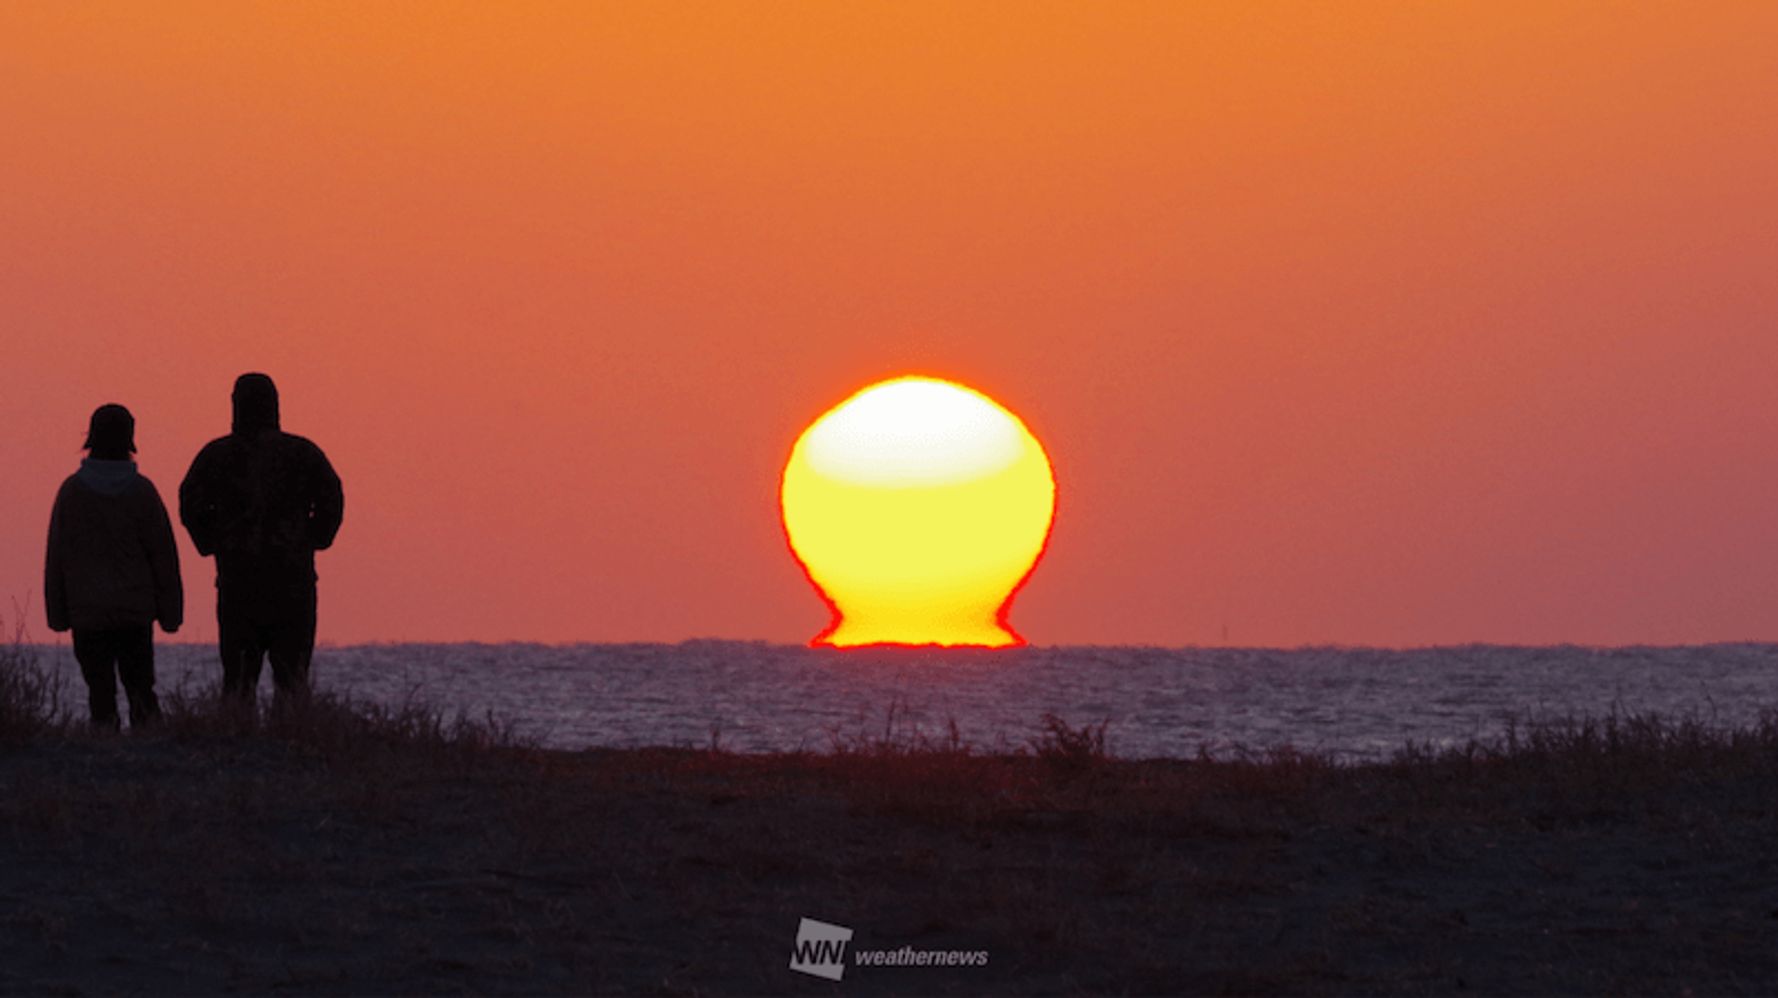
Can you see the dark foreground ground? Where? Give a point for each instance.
(333, 851)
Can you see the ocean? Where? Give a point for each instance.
(755, 696)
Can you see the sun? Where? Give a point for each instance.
(917, 508)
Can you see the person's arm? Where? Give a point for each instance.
(163, 561)
(55, 583)
(329, 506)
(197, 504)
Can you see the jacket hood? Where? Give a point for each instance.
(109, 478)
(256, 403)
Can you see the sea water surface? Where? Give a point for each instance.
(754, 696)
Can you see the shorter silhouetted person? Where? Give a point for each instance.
(263, 502)
(112, 570)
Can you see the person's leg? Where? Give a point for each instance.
(135, 666)
(241, 643)
(96, 651)
(292, 646)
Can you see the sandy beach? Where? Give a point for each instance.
(331, 852)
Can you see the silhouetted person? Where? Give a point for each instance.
(263, 502)
(112, 570)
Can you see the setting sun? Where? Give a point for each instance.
(918, 507)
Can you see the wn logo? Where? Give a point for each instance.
(820, 949)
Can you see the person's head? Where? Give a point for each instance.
(111, 433)
(256, 403)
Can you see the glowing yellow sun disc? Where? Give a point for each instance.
(918, 507)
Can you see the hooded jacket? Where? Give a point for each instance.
(261, 500)
(111, 560)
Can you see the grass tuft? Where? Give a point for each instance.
(1070, 749)
(31, 697)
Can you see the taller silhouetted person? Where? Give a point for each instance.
(263, 502)
(112, 570)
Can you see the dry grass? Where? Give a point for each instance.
(31, 698)
(1593, 748)
(34, 707)
(335, 726)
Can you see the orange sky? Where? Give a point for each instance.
(1359, 323)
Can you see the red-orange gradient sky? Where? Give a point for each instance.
(1361, 323)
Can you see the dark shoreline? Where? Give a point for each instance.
(344, 849)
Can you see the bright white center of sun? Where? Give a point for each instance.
(914, 433)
